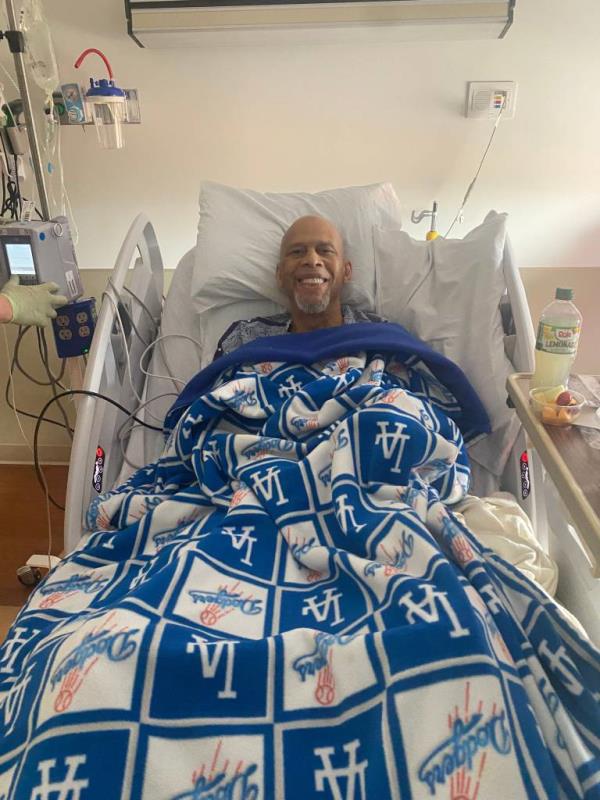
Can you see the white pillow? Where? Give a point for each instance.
(240, 231)
(447, 293)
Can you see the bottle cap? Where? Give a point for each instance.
(564, 294)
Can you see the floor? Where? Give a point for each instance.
(24, 528)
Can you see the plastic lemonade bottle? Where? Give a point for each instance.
(556, 343)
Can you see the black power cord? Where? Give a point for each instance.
(16, 363)
(40, 419)
(43, 350)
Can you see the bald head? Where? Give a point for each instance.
(314, 227)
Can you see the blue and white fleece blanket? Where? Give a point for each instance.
(284, 606)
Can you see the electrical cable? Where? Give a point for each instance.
(122, 435)
(43, 349)
(74, 228)
(124, 337)
(39, 472)
(117, 308)
(56, 378)
(19, 199)
(159, 340)
(126, 310)
(154, 321)
(41, 418)
(474, 181)
(10, 203)
(10, 77)
(168, 377)
(9, 387)
(146, 350)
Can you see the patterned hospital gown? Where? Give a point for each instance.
(246, 330)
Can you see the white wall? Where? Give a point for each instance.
(314, 116)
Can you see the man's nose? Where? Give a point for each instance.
(312, 257)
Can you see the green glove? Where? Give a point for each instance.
(33, 305)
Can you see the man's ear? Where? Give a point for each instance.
(278, 275)
(347, 272)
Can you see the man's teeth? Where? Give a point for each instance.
(312, 280)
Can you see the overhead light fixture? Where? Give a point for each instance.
(188, 23)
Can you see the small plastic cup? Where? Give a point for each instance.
(561, 415)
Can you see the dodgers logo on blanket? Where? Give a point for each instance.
(264, 446)
(221, 603)
(224, 601)
(396, 559)
(300, 565)
(240, 395)
(106, 644)
(471, 746)
(228, 767)
(315, 668)
(72, 586)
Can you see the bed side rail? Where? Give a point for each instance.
(96, 455)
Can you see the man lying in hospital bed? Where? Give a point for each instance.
(285, 605)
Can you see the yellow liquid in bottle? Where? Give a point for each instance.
(551, 369)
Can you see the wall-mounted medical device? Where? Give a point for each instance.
(39, 252)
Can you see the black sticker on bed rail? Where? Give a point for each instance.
(525, 483)
(98, 469)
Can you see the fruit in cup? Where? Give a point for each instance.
(558, 406)
(565, 399)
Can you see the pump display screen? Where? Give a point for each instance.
(20, 258)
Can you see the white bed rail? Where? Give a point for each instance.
(107, 372)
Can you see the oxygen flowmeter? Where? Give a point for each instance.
(40, 252)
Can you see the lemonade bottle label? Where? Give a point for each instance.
(558, 339)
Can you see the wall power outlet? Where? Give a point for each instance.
(484, 99)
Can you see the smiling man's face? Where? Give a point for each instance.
(312, 270)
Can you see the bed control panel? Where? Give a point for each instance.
(74, 327)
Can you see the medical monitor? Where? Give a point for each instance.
(40, 252)
(19, 257)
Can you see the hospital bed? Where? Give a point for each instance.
(135, 314)
(283, 600)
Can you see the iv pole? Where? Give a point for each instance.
(16, 42)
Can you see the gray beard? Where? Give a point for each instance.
(314, 308)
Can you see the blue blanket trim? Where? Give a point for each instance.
(343, 340)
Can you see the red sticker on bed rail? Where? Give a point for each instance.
(525, 483)
(98, 469)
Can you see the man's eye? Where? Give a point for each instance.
(297, 251)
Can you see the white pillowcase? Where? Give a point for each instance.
(447, 293)
(240, 232)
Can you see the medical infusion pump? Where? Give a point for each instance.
(39, 252)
